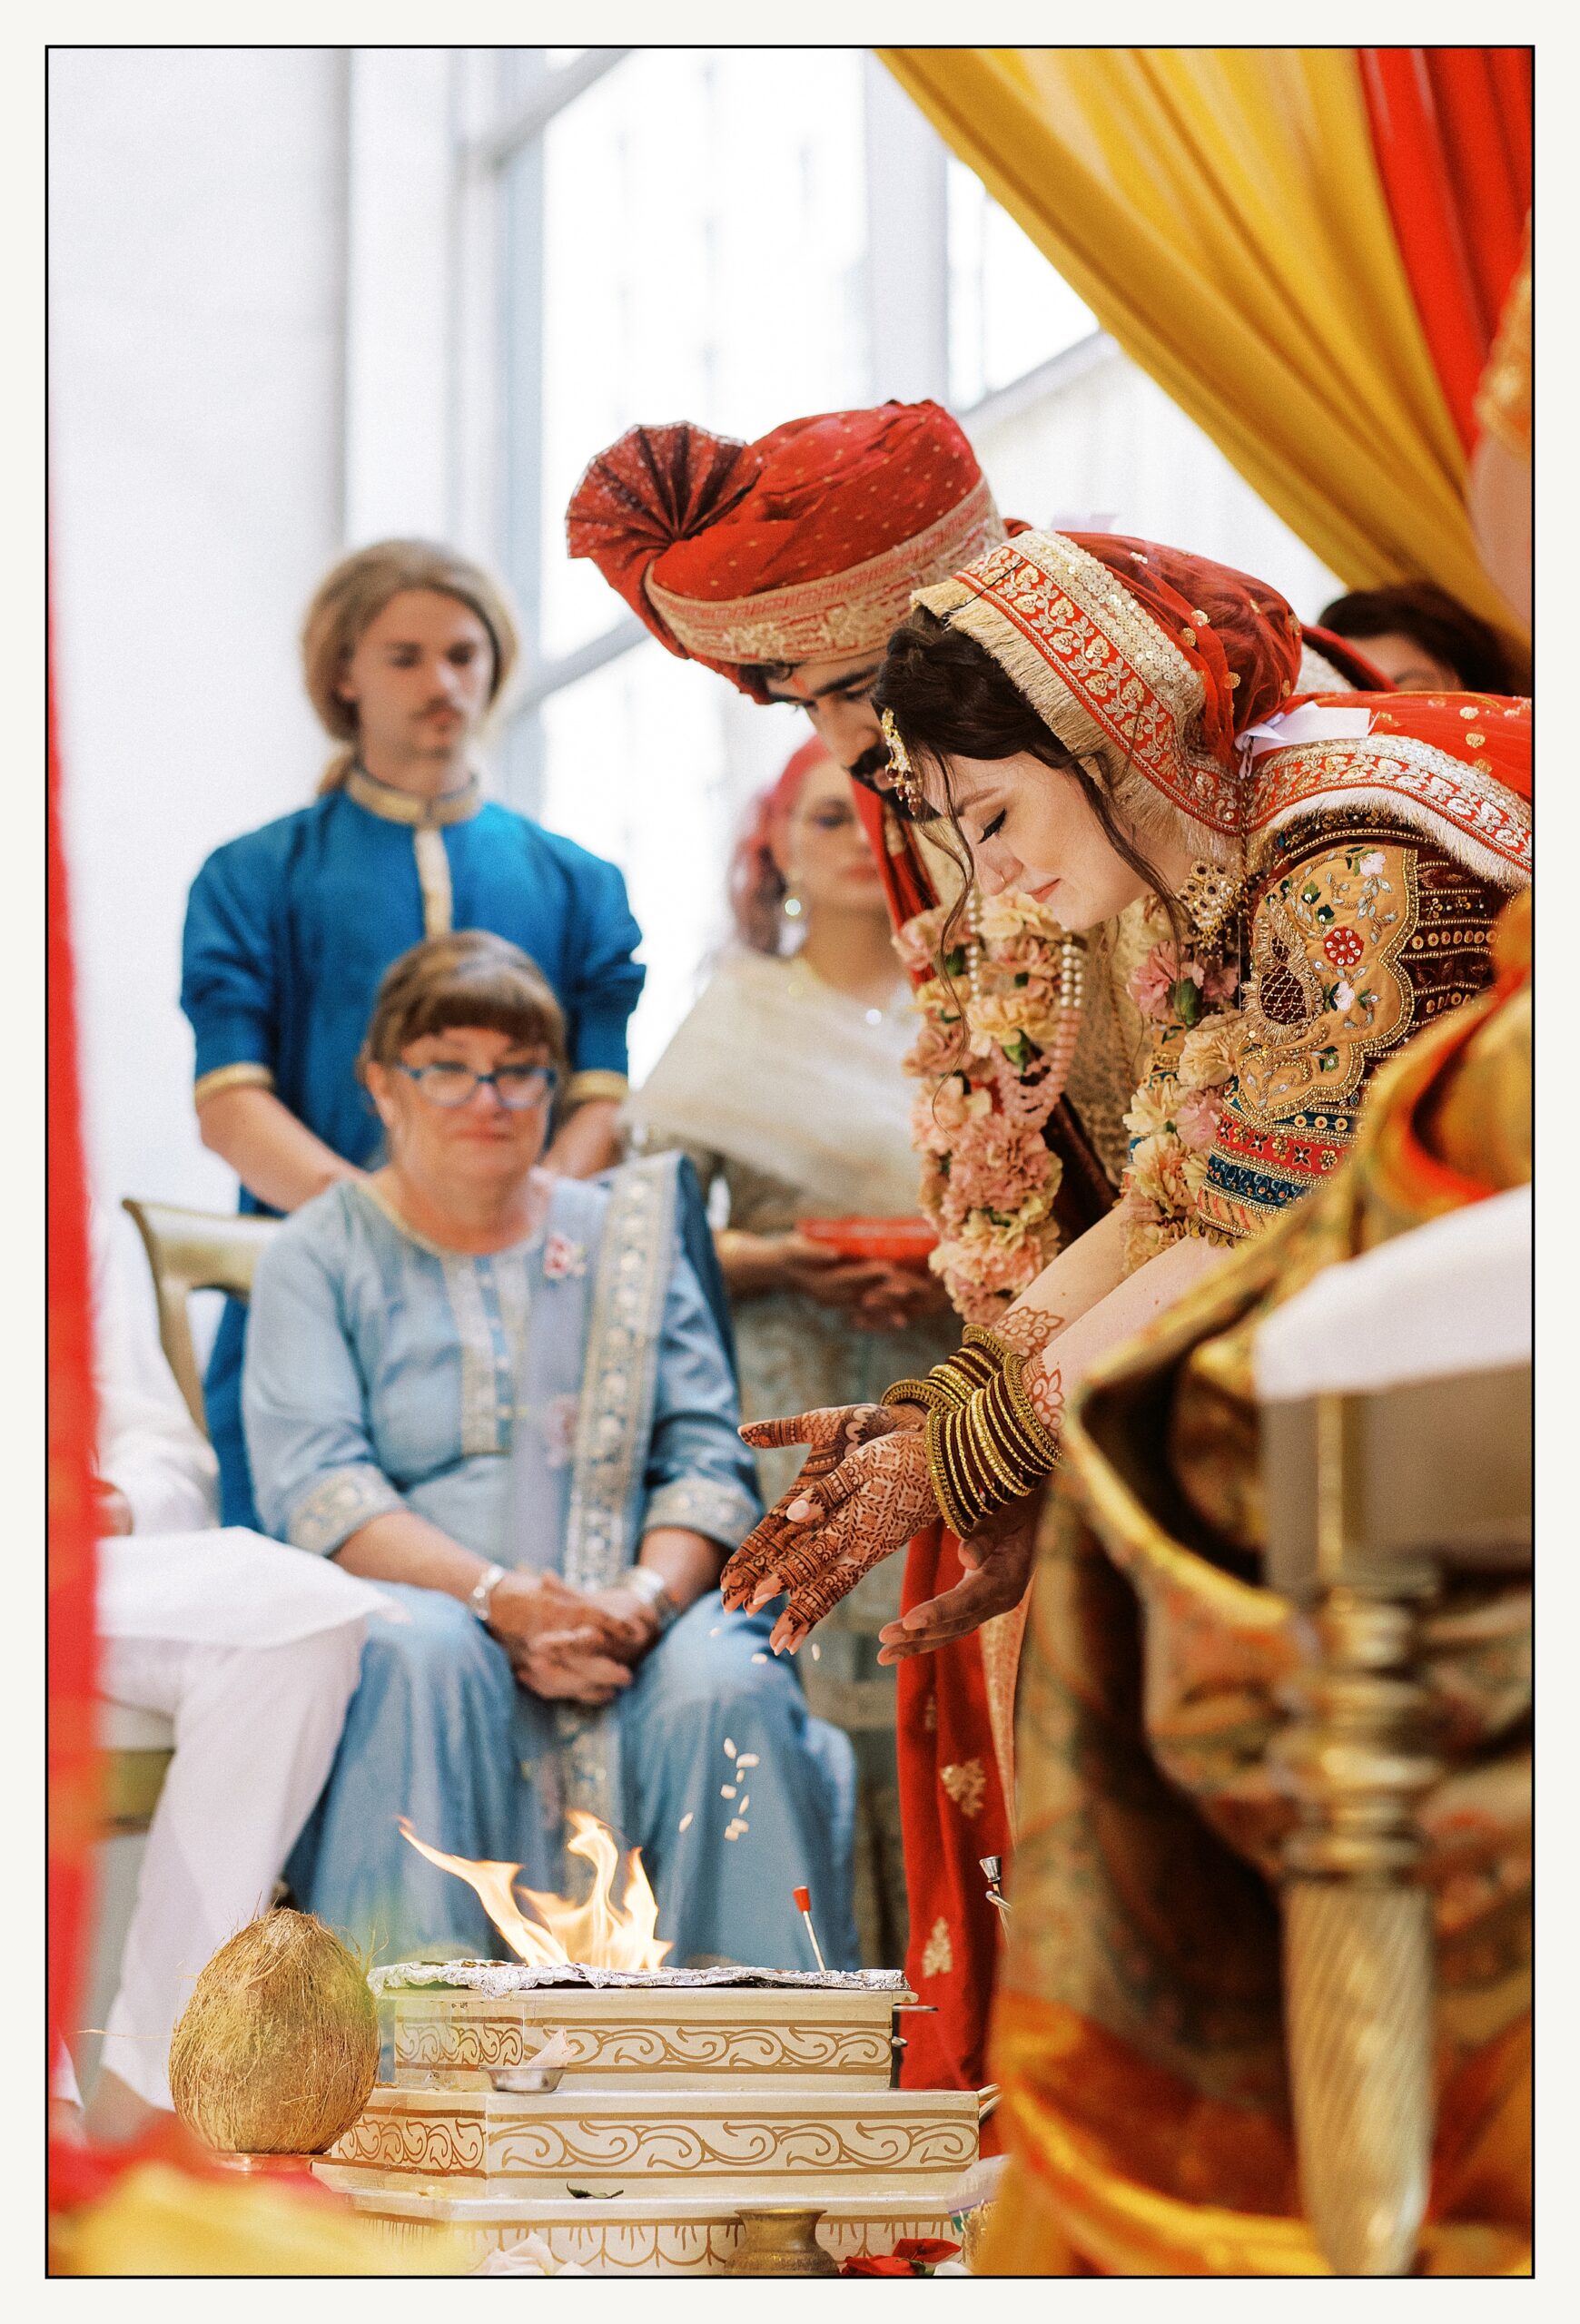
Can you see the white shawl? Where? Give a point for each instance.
(776, 1069)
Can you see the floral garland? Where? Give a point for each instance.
(1000, 1015)
(1173, 1117)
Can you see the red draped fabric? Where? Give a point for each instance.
(943, 1723)
(1451, 128)
(72, 1757)
(952, 1812)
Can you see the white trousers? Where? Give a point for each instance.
(255, 1731)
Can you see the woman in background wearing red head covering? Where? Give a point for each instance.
(786, 1086)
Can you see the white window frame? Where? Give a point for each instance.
(907, 312)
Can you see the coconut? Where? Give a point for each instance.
(278, 2048)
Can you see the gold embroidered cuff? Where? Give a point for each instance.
(597, 1081)
(230, 1077)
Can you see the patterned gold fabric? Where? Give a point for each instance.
(1139, 2028)
(1359, 935)
(1110, 1053)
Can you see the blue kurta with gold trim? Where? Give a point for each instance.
(289, 929)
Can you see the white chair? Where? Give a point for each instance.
(188, 1251)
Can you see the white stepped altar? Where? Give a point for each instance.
(685, 2097)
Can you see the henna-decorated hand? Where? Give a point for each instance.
(835, 1528)
(998, 1558)
(830, 1432)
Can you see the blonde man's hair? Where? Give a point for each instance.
(349, 600)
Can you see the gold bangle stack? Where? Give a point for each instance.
(950, 1385)
(986, 1445)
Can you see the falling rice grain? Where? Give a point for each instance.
(816, 1651)
(727, 1791)
(746, 1759)
(689, 1817)
(759, 1658)
(729, 1748)
(716, 1629)
(744, 1804)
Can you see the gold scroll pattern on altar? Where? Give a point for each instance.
(474, 2043)
(476, 2139)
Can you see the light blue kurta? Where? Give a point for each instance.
(544, 1406)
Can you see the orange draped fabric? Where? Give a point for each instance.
(1451, 128)
(72, 1757)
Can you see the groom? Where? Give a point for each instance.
(784, 565)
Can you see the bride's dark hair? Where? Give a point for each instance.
(950, 699)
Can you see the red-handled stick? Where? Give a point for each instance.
(803, 1906)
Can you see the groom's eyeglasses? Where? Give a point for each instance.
(518, 1088)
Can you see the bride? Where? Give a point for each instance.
(1092, 722)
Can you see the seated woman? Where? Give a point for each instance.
(503, 1396)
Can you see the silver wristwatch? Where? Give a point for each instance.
(650, 1584)
(482, 1592)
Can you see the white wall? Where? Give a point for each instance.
(197, 251)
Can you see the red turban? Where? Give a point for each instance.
(804, 545)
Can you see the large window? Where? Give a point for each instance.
(703, 245)
(737, 237)
(685, 238)
(1009, 312)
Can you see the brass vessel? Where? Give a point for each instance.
(780, 2242)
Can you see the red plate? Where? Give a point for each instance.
(902, 1242)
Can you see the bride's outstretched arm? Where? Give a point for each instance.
(867, 1486)
(998, 1556)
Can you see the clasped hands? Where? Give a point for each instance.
(864, 1490)
(570, 1645)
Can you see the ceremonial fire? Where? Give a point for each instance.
(597, 1934)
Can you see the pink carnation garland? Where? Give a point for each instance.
(1000, 1018)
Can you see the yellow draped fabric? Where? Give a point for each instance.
(158, 2219)
(1221, 212)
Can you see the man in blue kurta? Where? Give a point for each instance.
(289, 929)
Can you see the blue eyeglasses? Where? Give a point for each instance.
(519, 1089)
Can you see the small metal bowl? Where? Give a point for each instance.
(520, 2081)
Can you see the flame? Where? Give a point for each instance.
(599, 1933)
